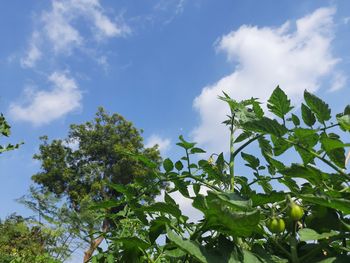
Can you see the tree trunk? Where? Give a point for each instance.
(95, 242)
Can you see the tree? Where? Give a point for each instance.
(85, 167)
(22, 242)
(293, 209)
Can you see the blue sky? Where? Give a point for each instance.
(161, 64)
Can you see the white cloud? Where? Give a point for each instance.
(33, 53)
(163, 143)
(338, 81)
(58, 29)
(42, 107)
(296, 59)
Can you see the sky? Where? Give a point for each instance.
(161, 64)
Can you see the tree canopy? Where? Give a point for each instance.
(82, 169)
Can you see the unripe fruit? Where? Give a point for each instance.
(295, 212)
(276, 225)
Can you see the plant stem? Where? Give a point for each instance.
(188, 162)
(232, 157)
(293, 245)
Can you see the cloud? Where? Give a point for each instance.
(59, 28)
(33, 53)
(296, 56)
(42, 107)
(163, 143)
(338, 81)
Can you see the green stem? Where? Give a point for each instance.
(232, 157)
(293, 245)
(188, 162)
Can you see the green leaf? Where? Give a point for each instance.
(193, 249)
(307, 115)
(335, 203)
(257, 109)
(184, 144)
(280, 145)
(251, 160)
(334, 149)
(158, 227)
(244, 135)
(179, 166)
(295, 120)
(168, 165)
(266, 125)
(233, 217)
(168, 199)
(318, 106)
(344, 122)
(197, 150)
(175, 253)
(278, 103)
(110, 258)
(309, 173)
(163, 208)
(307, 234)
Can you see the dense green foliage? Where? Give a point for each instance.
(287, 210)
(21, 242)
(81, 169)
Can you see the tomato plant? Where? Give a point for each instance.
(237, 208)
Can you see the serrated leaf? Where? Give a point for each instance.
(279, 145)
(266, 125)
(334, 149)
(307, 115)
(295, 120)
(242, 137)
(318, 106)
(251, 160)
(163, 208)
(278, 103)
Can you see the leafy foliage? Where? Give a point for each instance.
(22, 242)
(5, 130)
(235, 213)
(92, 165)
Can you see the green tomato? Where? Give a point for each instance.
(276, 225)
(296, 212)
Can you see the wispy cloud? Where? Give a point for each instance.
(266, 57)
(58, 29)
(33, 53)
(42, 107)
